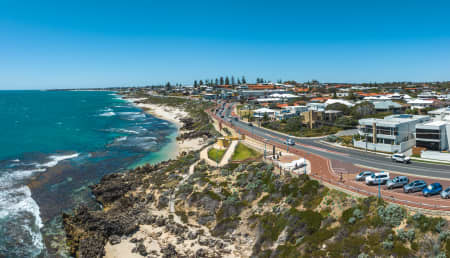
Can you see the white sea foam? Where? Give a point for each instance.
(121, 139)
(16, 202)
(108, 114)
(55, 159)
(121, 130)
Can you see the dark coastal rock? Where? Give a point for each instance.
(169, 251)
(203, 220)
(192, 235)
(201, 253)
(114, 239)
(163, 200)
(142, 250)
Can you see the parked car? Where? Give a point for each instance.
(377, 178)
(414, 186)
(362, 176)
(289, 142)
(432, 189)
(396, 182)
(445, 193)
(400, 158)
(250, 124)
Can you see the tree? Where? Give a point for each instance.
(221, 80)
(243, 80)
(195, 84)
(340, 107)
(217, 81)
(227, 80)
(201, 82)
(168, 86)
(346, 122)
(238, 81)
(232, 80)
(362, 110)
(294, 124)
(265, 117)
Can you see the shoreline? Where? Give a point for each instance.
(174, 116)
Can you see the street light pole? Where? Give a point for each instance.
(379, 189)
(265, 143)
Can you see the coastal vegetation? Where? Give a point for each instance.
(249, 205)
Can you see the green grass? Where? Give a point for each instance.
(215, 154)
(243, 152)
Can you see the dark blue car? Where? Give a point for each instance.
(432, 189)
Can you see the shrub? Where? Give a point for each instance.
(391, 215)
(443, 236)
(440, 225)
(357, 213)
(387, 244)
(406, 235)
(352, 220)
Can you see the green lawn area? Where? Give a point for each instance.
(243, 152)
(215, 154)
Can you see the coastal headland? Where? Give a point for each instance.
(186, 207)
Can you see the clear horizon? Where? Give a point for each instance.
(51, 44)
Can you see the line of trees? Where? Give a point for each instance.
(221, 81)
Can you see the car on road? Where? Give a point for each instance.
(414, 186)
(289, 142)
(250, 124)
(235, 118)
(362, 176)
(432, 189)
(377, 179)
(401, 158)
(445, 193)
(396, 182)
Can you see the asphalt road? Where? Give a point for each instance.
(356, 157)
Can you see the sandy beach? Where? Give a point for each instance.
(173, 115)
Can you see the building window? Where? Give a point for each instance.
(428, 134)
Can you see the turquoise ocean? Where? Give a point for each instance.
(53, 145)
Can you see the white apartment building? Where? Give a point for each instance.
(392, 134)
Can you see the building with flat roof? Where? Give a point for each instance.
(393, 133)
(433, 136)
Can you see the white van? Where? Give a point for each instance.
(377, 178)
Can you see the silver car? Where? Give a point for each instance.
(414, 186)
(362, 176)
(396, 182)
(445, 193)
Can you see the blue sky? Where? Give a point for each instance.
(63, 44)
